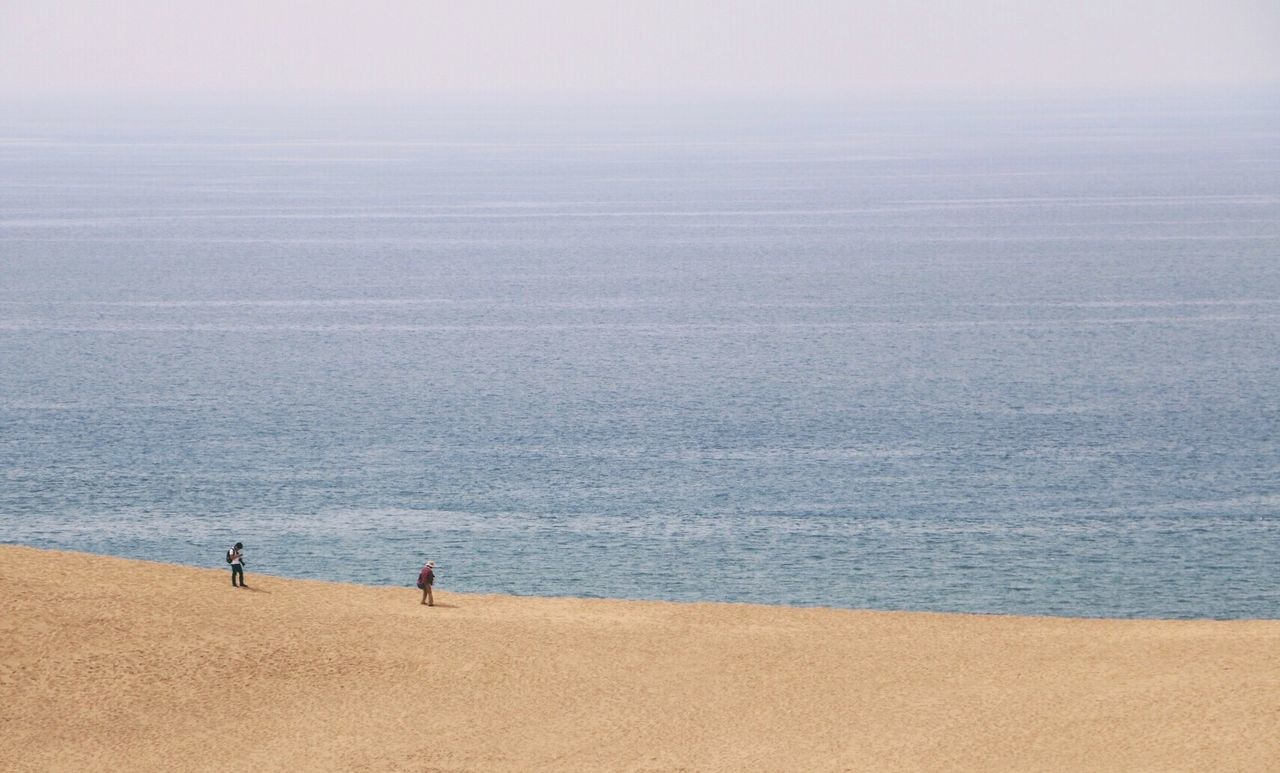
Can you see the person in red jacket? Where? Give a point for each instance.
(427, 578)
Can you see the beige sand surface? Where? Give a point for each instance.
(107, 663)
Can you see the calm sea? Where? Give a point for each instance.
(1012, 359)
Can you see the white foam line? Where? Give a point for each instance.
(356, 209)
(478, 215)
(614, 214)
(648, 328)
(1226, 197)
(296, 303)
(465, 144)
(632, 303)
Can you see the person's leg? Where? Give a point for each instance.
(236, 571)
(431, 600)
(425, 590)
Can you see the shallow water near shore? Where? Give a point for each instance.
(1016, 360)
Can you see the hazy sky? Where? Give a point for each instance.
(764, 48)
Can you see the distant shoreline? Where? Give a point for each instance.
(408, 584)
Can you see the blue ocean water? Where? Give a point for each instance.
(999, 358)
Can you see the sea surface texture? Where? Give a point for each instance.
(1010, 359)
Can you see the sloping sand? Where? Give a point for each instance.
(114, 664)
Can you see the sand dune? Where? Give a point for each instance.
(107, 663)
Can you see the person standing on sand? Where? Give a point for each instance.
(235, 557)
(427, 578)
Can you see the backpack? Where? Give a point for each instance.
(228, 555)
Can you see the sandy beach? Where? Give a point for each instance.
(108, 663)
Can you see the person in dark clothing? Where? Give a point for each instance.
(427, 578)
(235, 557)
